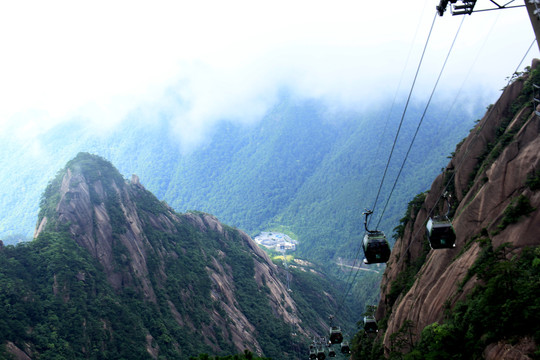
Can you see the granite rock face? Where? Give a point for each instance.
(487, 174)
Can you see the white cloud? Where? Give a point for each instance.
(203, 61)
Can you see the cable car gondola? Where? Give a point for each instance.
(321, 354)
(440, 232)
(375, 245)
(345, 349)
(335, 336)
(312, 352)
(370, 325)
(331, 353)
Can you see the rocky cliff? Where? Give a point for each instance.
(493, 181)
(201, 279)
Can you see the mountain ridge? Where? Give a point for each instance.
(492, 179)
(177, 276)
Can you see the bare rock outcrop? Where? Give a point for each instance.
(503, 350)
(16, 352)
(83, 205)
(266, 275)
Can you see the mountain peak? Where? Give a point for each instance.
(187, 263)
(90, 200)
(135, 180)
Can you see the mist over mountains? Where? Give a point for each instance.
(303, 167)
(107, 243)
(235, 118)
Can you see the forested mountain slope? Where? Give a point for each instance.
(481, 298)
(303, 168)
(114, 273)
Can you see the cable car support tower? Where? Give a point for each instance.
(467, 7)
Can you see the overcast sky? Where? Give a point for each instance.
(202, 61)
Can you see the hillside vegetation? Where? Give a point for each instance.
(302, 169)
(114, 274)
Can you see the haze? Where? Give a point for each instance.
(201, 62)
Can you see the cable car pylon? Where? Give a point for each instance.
(467, 7)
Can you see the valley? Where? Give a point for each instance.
(193, 180)
(327, 176)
